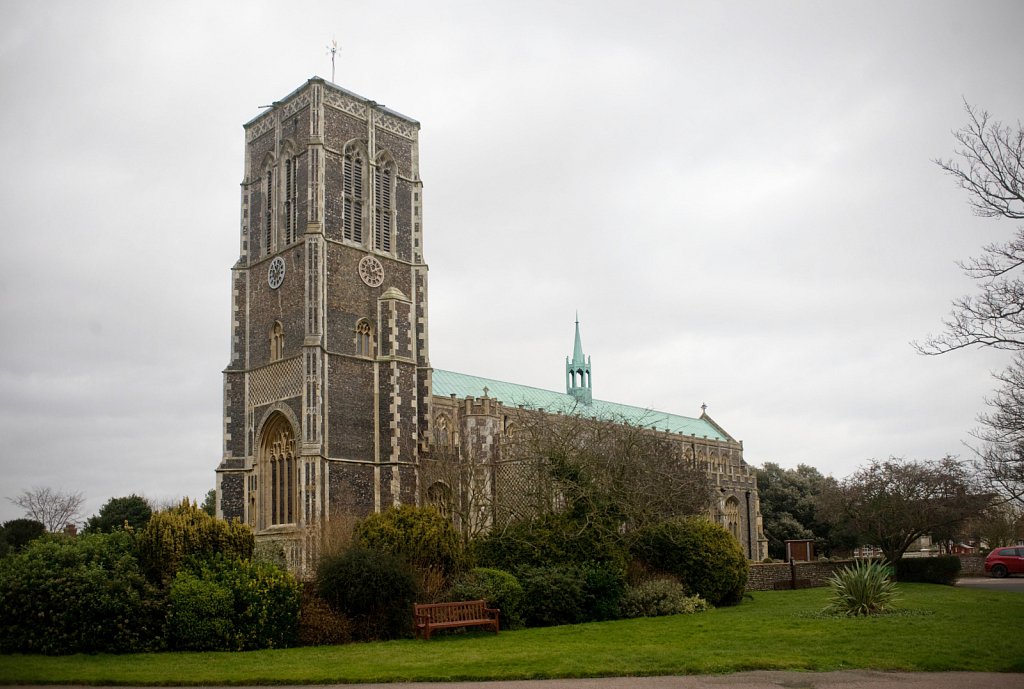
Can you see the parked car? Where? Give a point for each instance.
(1003, 561)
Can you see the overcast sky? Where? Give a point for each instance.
(738, 198)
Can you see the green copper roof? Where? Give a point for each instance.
(446, 383)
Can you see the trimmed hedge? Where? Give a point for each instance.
(701, 554)
(929, 570)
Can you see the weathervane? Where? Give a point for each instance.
(332, 50)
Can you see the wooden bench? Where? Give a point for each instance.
(472, 613)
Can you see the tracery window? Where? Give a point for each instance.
(276, 341)
(732, 516)
(383, 180)
(442, 434)
(352, 194)
(364, 338)
(279, 468)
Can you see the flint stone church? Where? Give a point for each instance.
(331, 407)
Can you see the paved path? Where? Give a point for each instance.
(1014, 583)
(762, 679)
(854, 679)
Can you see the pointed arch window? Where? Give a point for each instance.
(291, 200)
(279, 475)
(442, 433)
(364, 338)
(352, 194)
(276, 341)
(383, 195)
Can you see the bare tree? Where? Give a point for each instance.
(53, 508)
(613, 474)
(891, 504)
(989, 166)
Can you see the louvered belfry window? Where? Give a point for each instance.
(352, 191)
(382, 201)
(268, 216)
(291, 201)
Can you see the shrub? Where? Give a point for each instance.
(702, 555)
(187, 533)
(863, 589)
(199, 614)
(500, 589)
(419, 535)
(373, 589)
(319, 624)
(229, 604)
(929, 570)
(658, 597)
(78, 595)
(552, 539)
(570, 594)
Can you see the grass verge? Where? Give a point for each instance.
(943, 629)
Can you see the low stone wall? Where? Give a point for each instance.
(972, 565)
(775, 575)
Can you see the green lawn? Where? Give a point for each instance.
(944, 628)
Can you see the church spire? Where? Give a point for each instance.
(577, 371)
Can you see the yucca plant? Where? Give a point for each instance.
(864, 589)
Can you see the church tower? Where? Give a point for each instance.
(577, 372)
(327, 391)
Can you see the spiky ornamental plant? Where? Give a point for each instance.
(864, 589)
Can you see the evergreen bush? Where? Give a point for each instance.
(929, 570)
(701, 554)
(570, 594)
(85, 594)
(551, 539)
(232, 605)
(866, 588)
(500, 589)
(659, 597)
(375, 590)
(419, 535)
(132, 511)
(185, 533)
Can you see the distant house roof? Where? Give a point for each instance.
(447, 383)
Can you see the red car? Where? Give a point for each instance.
(1003, 561)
